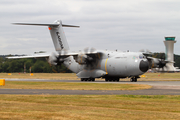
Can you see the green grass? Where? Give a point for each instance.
(72, 86)
(89, 107)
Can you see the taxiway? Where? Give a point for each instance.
(158, 88)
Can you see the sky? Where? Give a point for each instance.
(104, 24)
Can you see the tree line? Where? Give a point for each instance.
(42, 66)
(32, 65)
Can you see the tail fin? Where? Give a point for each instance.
(57, 34)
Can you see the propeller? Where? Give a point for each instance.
(57, 58)
(162, 62)
(87, 58)
(90, 58)
(146, 53)
(159, 63)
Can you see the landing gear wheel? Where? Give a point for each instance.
(117, 79)
(107, 79)
(112, 79)
(134, 79)
(87, 79)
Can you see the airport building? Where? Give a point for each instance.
(169, 53)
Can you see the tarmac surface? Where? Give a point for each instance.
(159, 88)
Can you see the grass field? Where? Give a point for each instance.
(86, 107)
(72, 86)
(89, 107)
(72, 76)
(53, 76)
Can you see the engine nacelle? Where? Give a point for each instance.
(157, 63)
(154, 63)
(81, 58)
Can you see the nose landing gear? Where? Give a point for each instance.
(134, 79)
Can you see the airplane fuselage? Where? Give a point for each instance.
(112, 64)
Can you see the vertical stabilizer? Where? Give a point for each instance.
(57, 33)
(58, 37)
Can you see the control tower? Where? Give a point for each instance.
(169, 44)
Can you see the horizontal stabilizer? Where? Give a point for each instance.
(35, 24)
(57, 33)
(44, 24)
(69, 25)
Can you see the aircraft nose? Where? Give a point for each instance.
(144, 65)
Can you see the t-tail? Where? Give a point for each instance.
(57, 34)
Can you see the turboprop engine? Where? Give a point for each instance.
(85, 57)
(81, 59)
(158, 63)
(155, 62)
(57, 59)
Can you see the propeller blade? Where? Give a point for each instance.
(92, 50)
(57, 59)
(86, 50)
(142, 50)
(53, 58)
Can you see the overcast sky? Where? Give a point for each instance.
(104, 24)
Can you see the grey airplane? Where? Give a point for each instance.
(92, 63)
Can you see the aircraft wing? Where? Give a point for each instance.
(30, 56)
(88, 58)
(166, 61)
(41, 55)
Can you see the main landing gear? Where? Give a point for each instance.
(87, 79)
(106, 79)
(133, 79)
(112, 79)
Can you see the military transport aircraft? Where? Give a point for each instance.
(92, 63)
